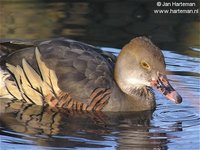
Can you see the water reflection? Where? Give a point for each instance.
(55, 127)
(48, 120)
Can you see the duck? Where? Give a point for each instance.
(65, 73)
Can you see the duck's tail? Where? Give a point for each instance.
(8, 46)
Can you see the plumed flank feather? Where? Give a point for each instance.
(49, 77)
(27, 93)
(33, 87)
(31, 94)
(45, 89)
(31, 74)
(13, 89)
(13, 70)
(42, 67)
(17, 72)
(54, 82)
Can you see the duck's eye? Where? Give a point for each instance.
(145, 65)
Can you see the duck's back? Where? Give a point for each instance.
(84, 73)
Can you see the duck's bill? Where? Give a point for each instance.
(163, 85)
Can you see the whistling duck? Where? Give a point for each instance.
(70, 74)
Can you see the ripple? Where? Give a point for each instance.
(184, 63)
(186, 116)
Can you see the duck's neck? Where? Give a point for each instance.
(141, 99)
(144, 93)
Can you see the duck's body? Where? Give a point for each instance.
(74, 75)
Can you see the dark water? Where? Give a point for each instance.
(109, 25)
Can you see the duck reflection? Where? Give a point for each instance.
(53, 121)
(129, 129)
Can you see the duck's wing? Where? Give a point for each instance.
(63, 73)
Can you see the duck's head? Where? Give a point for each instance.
(141, 64)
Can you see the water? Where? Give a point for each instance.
(104, 24)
